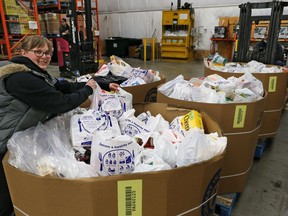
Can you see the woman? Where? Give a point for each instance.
(28, 95)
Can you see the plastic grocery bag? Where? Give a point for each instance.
(133, 81)
(193, 149)
(45, 150)
(167, 88)
(110, 156)
(82, 126)
(197, 147)
(148, 161)
(217, 145)
(119, 67)
(114, 103)
(146, 75)
(132, 126)
(182, 91)
(103, 71)
(245, 95)
(84, 78)
(204, 94)
(164, 148)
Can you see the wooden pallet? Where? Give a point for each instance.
(261, 145)
(224, 204)
(50, 3)
(52, 35)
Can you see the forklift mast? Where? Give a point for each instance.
(245, 26)
(82, 52)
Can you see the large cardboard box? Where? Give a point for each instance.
(52, 23)
(229, 23)
(189, 190)
(11, 8)
(275, 84)
(241, 124)
(134, 51)
(141, 93)
(146, 92)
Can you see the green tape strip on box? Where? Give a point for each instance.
(130, 198)
(272, 84)
(239, 116)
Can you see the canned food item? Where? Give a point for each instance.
(219, 60)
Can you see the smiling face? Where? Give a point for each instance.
(42, 61)
(38, 49)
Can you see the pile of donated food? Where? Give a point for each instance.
(109, 138)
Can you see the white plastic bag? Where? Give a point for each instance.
(167, 88)
(45, 150)
(146, 75)
(164, 148)
(114, 103)
(148, 161)
(84, 125)
(103, 71)
(111, 156)
(193, 149)
(118, 67)
(133, 81)
(131, 126)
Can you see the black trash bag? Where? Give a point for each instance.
(104, 81)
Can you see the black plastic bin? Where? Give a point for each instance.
(119, 46)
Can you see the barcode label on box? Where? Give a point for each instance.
(239, 116)
(272, 84)
(130, 198)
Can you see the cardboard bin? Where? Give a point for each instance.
(140, 93)
(275, 84)
(189, 190)
(146, 92)
(241, 124)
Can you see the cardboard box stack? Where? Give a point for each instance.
(229, 23)
(275, 84)
(134, 51)
(189, 190)
(241, 124)
(13, 25)
(19, 17)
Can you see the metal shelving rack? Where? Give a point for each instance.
(61, 7)
(7, 38)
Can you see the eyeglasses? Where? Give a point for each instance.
(40, 53)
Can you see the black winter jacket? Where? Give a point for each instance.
(29, 95)
(56, 97)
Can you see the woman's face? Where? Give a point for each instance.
(40, 56)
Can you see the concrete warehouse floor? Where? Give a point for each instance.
(266, 192)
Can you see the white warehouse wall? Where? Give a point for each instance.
(143, 18)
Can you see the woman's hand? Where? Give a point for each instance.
(92, 83)
(114, 86)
